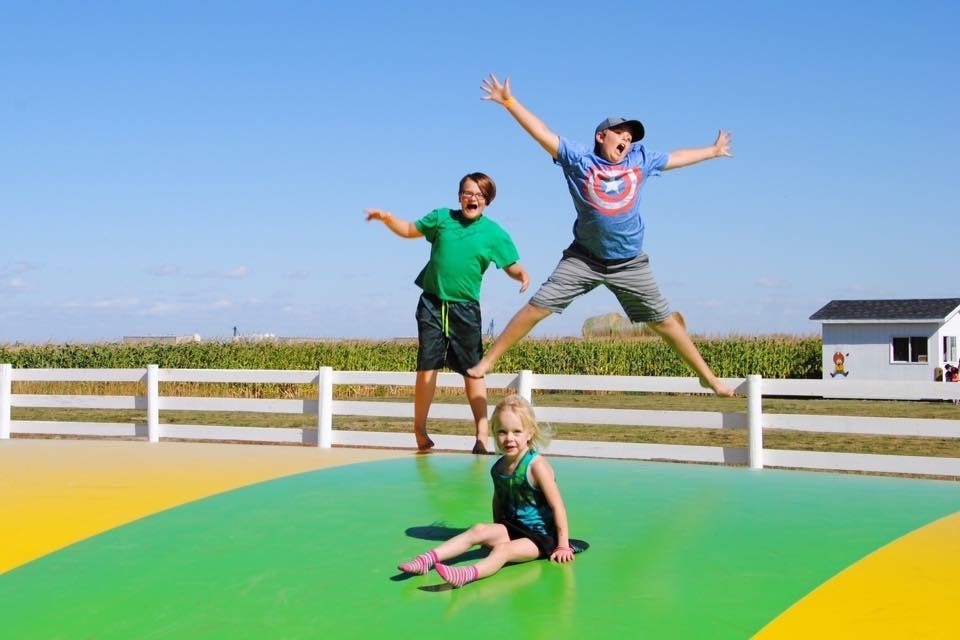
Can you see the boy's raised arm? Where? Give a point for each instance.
(500, 93)
(400, 227)
(686, 157)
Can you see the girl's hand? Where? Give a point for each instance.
(562, 554)
(499, 93)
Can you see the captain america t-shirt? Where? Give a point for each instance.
(607, 197)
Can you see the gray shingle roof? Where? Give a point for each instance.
(913, 309)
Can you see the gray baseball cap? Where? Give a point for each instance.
(636, 127)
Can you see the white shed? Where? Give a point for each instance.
(889, 339)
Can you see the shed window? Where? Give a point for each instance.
(949, 348)
(912, 349)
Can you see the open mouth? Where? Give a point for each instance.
(473, 206)
(621, 147)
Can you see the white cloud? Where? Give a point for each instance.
(234, 273)
(769, 282)
(21, 266)
(14, 284)
(10, 280)
(103, 303)
(858, 289)
(113, 303)
(165, 308)
(171, 308)
(163, 270)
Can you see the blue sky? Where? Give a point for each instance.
(189, 167)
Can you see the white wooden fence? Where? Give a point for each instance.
(525, 383)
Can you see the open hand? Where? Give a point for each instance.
(495, 91)
(722, 144)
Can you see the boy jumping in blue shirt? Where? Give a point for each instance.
(607, 244)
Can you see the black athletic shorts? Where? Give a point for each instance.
(546, 543)
(450, 334)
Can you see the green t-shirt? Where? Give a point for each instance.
(460, 252)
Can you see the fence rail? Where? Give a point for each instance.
(753, 420)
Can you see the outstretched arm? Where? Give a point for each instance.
(687, 157)
(500, 93)
(402, 228)
(543, 476)
(518, 273)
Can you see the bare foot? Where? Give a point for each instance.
(718, 387)
(480, 449)
(424, 443)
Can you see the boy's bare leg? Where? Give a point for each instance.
(477, 397)
(519, 326)
(425, 387)
(673, 331)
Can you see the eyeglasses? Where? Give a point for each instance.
(466, 195)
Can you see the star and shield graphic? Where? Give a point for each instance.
(612, 191)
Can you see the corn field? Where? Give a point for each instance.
(771, 357)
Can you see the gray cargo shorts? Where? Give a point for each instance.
(631, 281)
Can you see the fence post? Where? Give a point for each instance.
(153, 403)
(325, 408)
(6, 386)
(525, 385)
(755, 420)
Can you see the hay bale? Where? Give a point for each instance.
(617, 325)
(608, 325)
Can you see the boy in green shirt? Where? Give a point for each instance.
(464, 243)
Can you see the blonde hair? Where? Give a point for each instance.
(539, 434)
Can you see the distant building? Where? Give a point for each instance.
(160, 339)
(889, 339)
(256, 337)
